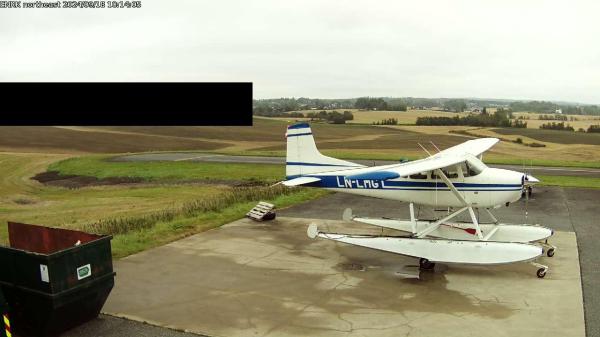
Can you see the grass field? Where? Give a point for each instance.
(266, 137)
(97, 166)
(404, 117)
(507, 151)
(410, 117)
(582, 121)
(156, 211)
(83, 140)
(553, 136)
(151, 213)
(25, 200)
(564, 181)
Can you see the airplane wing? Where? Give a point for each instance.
(466, 151)
(300, 181)
(473, 147)
(406, 169)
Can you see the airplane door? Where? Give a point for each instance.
(461, 172)
(471, 182)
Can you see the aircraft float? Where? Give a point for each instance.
(455, 178)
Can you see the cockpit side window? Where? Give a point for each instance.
(449, 172)
(465, 169)
(422, 175)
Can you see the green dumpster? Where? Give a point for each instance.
(54, 279)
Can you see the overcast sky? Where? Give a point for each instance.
(329, 49)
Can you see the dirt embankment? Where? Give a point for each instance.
(53, 178)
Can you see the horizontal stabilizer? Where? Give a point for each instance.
(300, 181)
(376, 175)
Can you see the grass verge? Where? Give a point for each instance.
(185, 224)
(138, 216)
(134, 233)
(568, 181)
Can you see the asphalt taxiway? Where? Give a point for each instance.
(264, 279)
(208, 157)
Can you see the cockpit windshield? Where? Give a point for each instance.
(472, 167)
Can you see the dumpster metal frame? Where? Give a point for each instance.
(41, 277)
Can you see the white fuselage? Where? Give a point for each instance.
(489, 188)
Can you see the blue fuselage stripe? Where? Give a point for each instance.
(341, 182)
(300, 134)
(292, 163)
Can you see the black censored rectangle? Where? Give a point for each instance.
(125, 103)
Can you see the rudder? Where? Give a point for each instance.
(303, 157)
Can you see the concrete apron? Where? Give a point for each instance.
(259, 279)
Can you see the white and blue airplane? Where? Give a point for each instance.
(455, 178)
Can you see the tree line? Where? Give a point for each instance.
(372, 103)
(333, 117)
(557, 126)
(550, 107)
(566, 127)
(500, 118)
(268, 107)
(387, 121)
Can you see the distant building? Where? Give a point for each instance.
(558, 111)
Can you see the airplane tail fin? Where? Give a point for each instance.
(304, 158)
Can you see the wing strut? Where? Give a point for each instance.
(491, 216)
(437, 224)
(464, 202)
(413, 220)
(452, 187)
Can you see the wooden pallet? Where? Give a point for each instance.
(262, 211)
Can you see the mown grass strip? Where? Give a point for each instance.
(99, 167)
(569, 181)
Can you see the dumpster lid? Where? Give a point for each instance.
(46, 240)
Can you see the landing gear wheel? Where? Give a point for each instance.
(541, 272)
(550, 252)
(426, 264)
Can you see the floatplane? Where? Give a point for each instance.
(455, 178)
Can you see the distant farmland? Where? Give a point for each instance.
(581, 121)
(266, 137)
(403, 117)
(553, 136)
(61, 140)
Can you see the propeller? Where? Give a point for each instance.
(524, 181)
